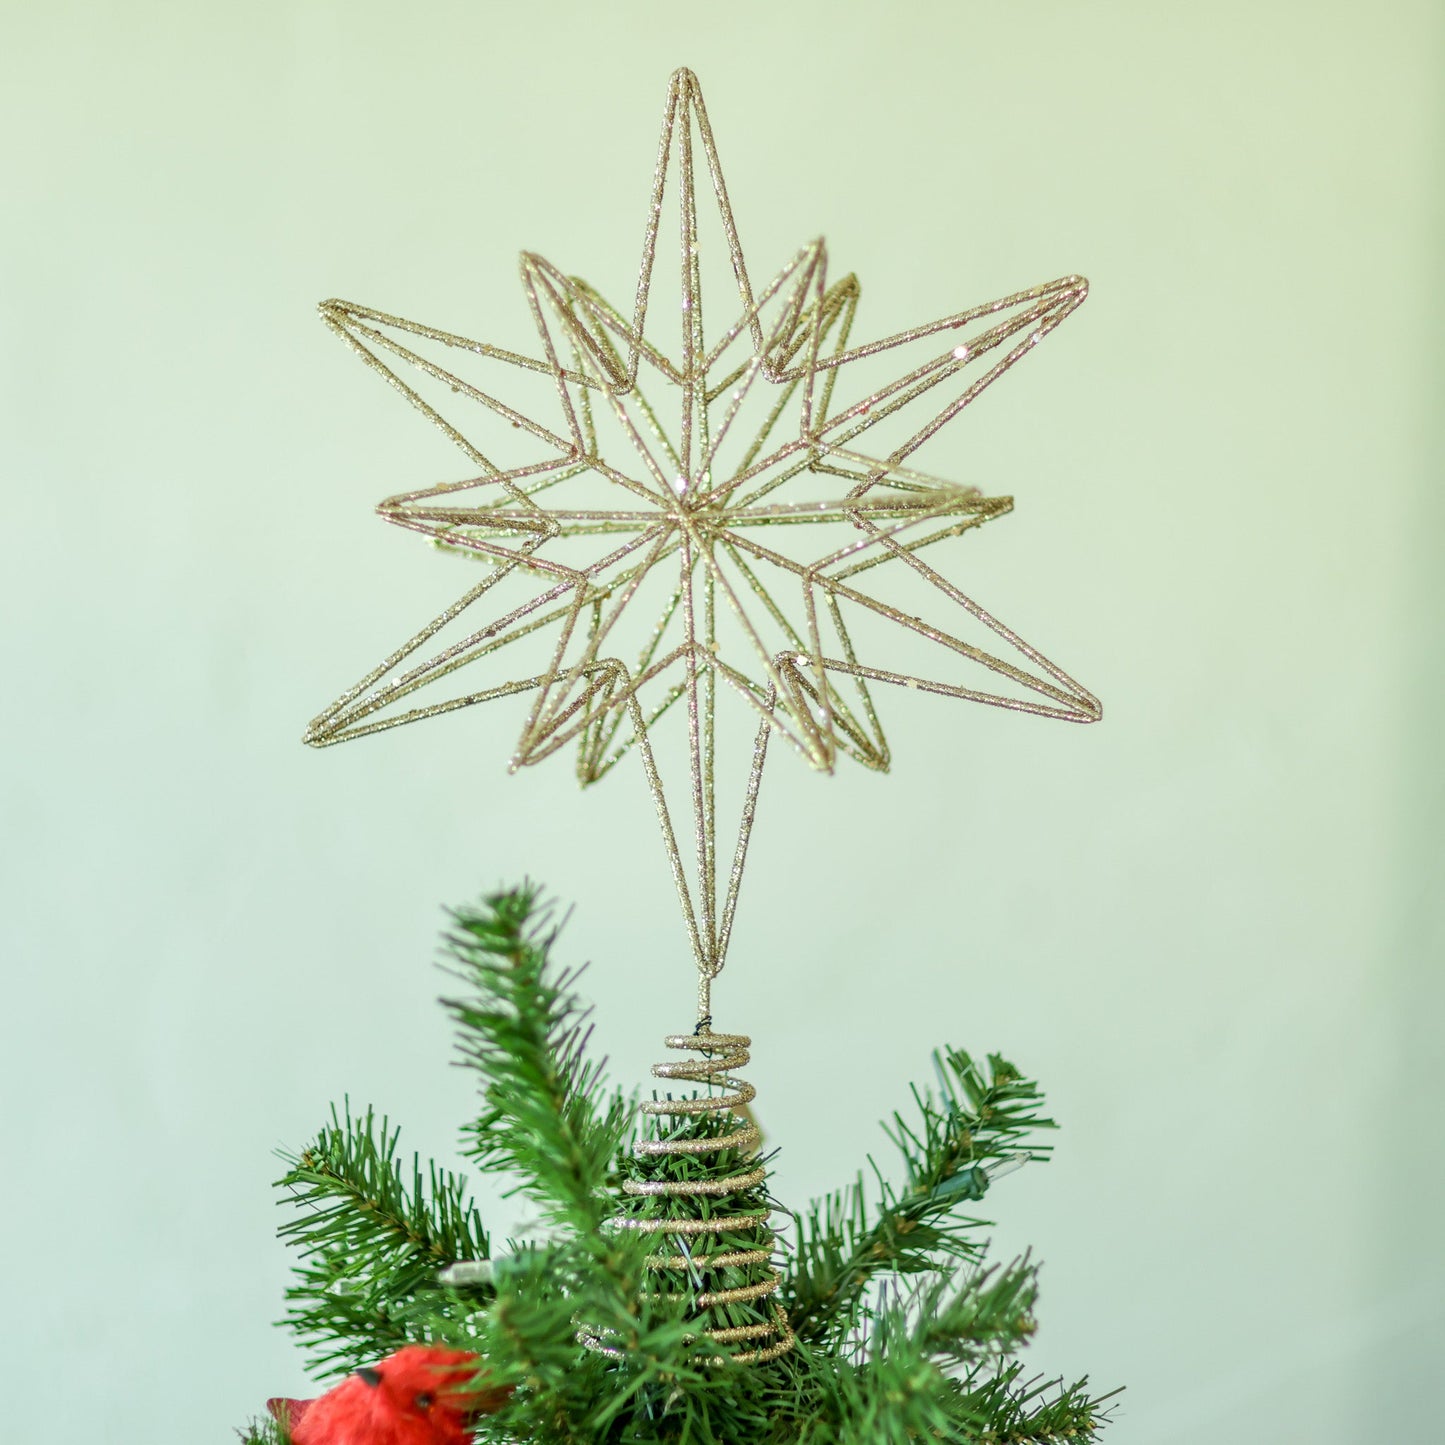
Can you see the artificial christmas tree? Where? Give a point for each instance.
(896, 1327)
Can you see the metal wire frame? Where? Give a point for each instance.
(683, 511)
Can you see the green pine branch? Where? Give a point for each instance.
(371, 1245)
(264, 1431)
(991, 1314)
(549, 1118)
(893, 1397)
(904, 1387)
(904, 1390)
(1006, 1408)
(846, 1241)
(550, 1121)
(903, 1334)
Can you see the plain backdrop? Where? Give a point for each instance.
(1211, 925)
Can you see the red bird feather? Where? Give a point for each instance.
(417, 1396)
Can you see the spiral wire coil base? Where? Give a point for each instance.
(721, 1054)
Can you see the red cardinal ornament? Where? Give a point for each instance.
(418, 1396)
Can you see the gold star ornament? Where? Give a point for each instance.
(666, 520)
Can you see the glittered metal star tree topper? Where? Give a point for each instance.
(667, 519)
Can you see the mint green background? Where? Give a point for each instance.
(1212, 924)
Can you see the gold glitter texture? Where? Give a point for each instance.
(730, 1142)
(642, 560)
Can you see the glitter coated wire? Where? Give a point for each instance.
(681, 512)
(720, 1055)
